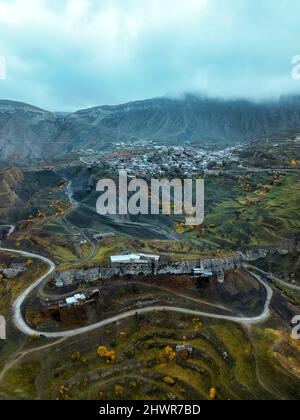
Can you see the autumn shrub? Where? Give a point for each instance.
(119, 390)
(75, 356)
(169, 380)
(108, 355)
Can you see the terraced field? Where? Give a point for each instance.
(265, 215)
(225, 358)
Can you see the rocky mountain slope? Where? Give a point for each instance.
(9, 180)
(28, 133)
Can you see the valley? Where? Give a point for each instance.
(153, 331)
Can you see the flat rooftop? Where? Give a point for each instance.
(134, 258)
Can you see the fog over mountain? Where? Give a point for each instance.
(28, 133)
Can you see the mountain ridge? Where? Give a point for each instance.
(29, 133)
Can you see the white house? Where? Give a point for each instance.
(74, 300)
(134, 258)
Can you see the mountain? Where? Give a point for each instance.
(9, 180)
(28, 133)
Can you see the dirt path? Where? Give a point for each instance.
(278, 280)
(18, 317)
(19, 356)
(189, 298)
(259, 377)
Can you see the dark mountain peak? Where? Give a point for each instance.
(28, 133)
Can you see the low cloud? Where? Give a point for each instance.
(65, 55)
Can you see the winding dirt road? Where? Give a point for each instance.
(27, 330)
(17, 306)
(276, 279)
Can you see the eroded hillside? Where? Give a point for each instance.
(9, 180)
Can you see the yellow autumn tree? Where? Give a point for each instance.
(170, 353)
(108, 355)
(212, 393)
(294, 163)
(197, 324)
(179, 228)
(63, 393)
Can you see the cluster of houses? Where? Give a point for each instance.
(159, 160)
(187, 161)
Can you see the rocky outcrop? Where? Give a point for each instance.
(13, 271)
(217, 266)
(258, 253)
(87, 276)
(65, 278)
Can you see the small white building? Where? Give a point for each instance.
(101, 236)
(134, 259)
(200, 272)
(74, 300)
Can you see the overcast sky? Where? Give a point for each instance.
(71, 54)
